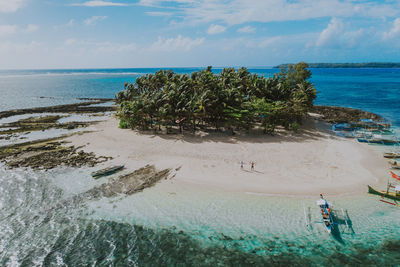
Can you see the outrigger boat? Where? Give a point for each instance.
(326, 213)
(378, 140)
(107, 171)
(394, 164)
(387, 194)
(391, 155)
(342, 127)
(395, 176)
(392, 195)
(371, 124)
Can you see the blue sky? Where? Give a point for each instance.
(195, 33)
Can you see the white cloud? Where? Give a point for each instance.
(215, 29)
(95, 46)
(394, 31)
(269, 41)
(70, 23)
(93, 20)
(330, 36)
(160, 2)
(70, 41)
(178, 43)
(336, 36)
(18, 48)
(31, 28)
(116, 47)
(246, 29)
(98, 3)
(9, 6)
(159, 14)
(7, 29)
(13, 29)
(234, 12)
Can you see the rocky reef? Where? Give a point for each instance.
(130, 183)
(47, 155)
(341, 114)
(82, 107)
(38, 124)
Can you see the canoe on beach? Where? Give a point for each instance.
(107, 171)
(394, 164)
(391, 155)
(392, 195)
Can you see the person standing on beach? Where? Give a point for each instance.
(252, 165)
(241, 165)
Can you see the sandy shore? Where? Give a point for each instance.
(308, 163)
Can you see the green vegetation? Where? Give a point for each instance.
(230, 100)
(350, 65)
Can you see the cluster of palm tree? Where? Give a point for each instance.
(233, 99)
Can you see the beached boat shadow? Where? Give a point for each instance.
(342, 224)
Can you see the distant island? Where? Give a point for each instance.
(349, 65)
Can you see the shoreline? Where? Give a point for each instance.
(288, 164)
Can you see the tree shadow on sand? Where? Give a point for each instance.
(311, 130)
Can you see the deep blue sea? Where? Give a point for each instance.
(189, 228)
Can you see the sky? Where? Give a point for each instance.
(46, 34)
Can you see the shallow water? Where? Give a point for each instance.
(42, 224)
(170, 225)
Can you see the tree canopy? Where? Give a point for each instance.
(233, 99)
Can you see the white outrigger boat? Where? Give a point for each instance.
(327, 219)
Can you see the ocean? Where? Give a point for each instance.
(168, 226)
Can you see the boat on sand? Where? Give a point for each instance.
(391, 155)
(107, 171)
(386, 193)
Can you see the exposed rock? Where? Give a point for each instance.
(130, 183)
(341, 114)
(47, 155)
(83, 107)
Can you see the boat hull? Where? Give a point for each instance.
(378, 141)
(386, 194)
(107, 171)
(391, 155)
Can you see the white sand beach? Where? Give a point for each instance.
(310, 162)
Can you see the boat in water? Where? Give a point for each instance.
(369, 124)
(326, 213)
(107, 171)
(392, 192)
(342, 127)
(367, 131)
(378, 139)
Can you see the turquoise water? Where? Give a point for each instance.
(168, 226)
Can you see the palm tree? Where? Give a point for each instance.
(230, 99)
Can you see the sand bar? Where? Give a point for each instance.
(310, 162)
